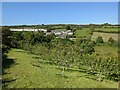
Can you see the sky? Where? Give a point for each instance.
(28, 13)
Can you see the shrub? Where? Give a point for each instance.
(92, 43)
(68, 27)
(99, 39)
(104, 68)
(88, 50)
(111, 40)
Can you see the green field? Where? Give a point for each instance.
(83, 32)
(107, 29)
(86, 32)
(25, 73)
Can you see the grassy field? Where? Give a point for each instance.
(105, 50)
(107, 29)
(105, 36)
(86, 31)
(25, 74)
(83, 32)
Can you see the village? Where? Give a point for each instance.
(60, 33)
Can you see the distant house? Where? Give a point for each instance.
(70, 33)
(48, 33)
(58, 33)
(61, 36)
(64, 33)
(44, 30)
(16, 29)
(69, 30)
(28, 29)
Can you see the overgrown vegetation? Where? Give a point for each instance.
(31, 72)
(70, 55)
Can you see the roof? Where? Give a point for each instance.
(61, 36)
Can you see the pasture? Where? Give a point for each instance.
(26, 72)
(105, 36)
(83, 32)
(114, 30)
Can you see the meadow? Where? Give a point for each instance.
(26, 73)
(109, 30)
(82, 33)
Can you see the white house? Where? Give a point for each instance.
(48, 33)
(44, 30)
(28, 29)
(61, 36)
(57, 33)
(70, 33)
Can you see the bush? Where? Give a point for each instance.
(82, 46)
(111, 40)
(88, 50)
(68, 27)
(99, 39)
(92, 43)
(104, 68)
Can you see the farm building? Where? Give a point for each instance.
(61, 36)
(62, 32)
(58, 33)
(70, 33)
(48, 33)
(28, 29)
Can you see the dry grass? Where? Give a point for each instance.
(105, 36)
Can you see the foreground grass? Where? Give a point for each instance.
(23, 74)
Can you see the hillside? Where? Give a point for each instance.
(25, 73)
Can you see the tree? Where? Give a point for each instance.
(68, 28)
(64, 56)
(92, 28)
(16, 39)
(6, 41)
(99, 39)
(39, 37)
(6, 36)
(106, 24)
(5, 45)
(39, 49)
(28, 40)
